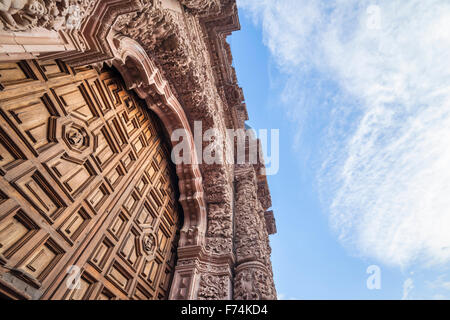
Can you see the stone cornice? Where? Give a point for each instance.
(198, 252)
(217, 28)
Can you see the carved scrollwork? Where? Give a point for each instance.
(270, 222)
(213, 287)
(219, 220)
(219, 245)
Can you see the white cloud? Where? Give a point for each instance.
(282, 296)
(439, 283)
(408, 286)
(386, 173)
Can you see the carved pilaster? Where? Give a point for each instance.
(186, 278)
(219, 235)
(253, 278)
(214, 287)
(219, 197)
(202, 275)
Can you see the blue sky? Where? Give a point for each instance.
(360, 91)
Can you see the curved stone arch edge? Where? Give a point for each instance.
(128, 54)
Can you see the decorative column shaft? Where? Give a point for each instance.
(253, 271)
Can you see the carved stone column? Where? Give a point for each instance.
(219, 235)
(253, 271)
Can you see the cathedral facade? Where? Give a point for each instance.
(92, 205)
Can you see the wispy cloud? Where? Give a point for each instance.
(440, 283)
(385, 173)
(408, 286)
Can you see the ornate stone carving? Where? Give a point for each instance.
(270, 222)
(249, 234)
(234, 95)
(175, 43)
(213, 287)
(217, 185)
(49, 14)
(254, 272)
(150, 26)
(219, 245)
(219, 220)
(220, 215)
(201, 7)
(253, 282)
(264, 193)
(209, 274)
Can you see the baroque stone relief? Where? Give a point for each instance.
(218, 245)
(254, 283)
(201, 6)
(254, 270)
(20, 15)
(219, 221)
(150, 26)
(213, 287)
(250, 226)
